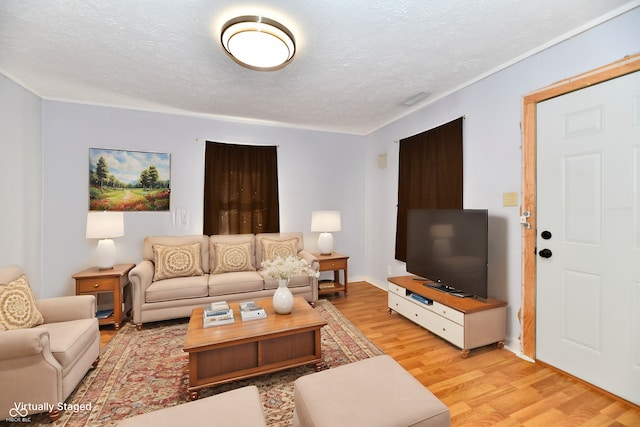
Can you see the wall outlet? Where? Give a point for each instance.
(388, 270)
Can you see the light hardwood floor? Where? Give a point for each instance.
(491, 387)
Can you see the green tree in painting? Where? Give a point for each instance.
(102, 170)
(153, 176)
(93, 177)
(149, 178)
(144, 178)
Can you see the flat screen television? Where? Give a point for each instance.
(449, 248)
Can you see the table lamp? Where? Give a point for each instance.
(104, 226)
(325, 222)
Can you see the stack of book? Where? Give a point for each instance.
(421, 299)
(249, 310)
(218, 313)
(326, 284)
(103, 314)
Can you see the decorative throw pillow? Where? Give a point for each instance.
(271, 249)
(177, 261)
(18, 306)
(233, 257)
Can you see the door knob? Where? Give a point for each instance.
(546, 253)
(546, 235)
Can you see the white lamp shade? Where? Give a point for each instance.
(105, 225)
(325, 221)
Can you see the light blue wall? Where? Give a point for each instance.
(21, 181)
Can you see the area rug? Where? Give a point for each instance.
(143, 371)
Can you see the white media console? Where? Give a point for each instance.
(467, 323)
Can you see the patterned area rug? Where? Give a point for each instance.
(143, 371)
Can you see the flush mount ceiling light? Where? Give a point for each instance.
(258, 43)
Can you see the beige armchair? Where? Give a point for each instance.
(45, 363)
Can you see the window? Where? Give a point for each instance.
(240, 189)
(429, 176)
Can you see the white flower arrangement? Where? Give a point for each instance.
(285, 268)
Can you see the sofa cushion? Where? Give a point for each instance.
(177, 261)
(177, 288)
(147, 248)
(68, 340)
(272, 249)
(228, 239)
(234, 283)
(233, 257)
(18, 306)
(277, 237)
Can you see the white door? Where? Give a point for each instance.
(588, 235)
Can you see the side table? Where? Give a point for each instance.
(333, 262)
(95, 281)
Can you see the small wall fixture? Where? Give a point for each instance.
(258, 43)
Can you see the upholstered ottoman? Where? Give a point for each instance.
(236, 408)
(375, 392)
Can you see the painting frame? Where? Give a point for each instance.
(129, 180)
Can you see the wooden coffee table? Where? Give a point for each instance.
(221, 354)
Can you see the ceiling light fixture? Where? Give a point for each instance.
(258, 43)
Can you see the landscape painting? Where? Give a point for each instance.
(121, 180)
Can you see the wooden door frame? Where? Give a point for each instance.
(627, 65)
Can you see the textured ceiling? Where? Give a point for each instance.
(357, 60)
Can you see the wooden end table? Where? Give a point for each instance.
(94, 281)
(333, 262)
(221, 354)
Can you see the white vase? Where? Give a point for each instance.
(283, 298)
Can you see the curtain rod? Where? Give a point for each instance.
(237, 143)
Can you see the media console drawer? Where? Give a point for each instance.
(429, 319)
(448, 313)
(466, 323)
(399, 290)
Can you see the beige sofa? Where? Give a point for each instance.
(44, 363)
(179, 273)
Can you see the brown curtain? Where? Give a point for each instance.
(240, 189)
(430, 175)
